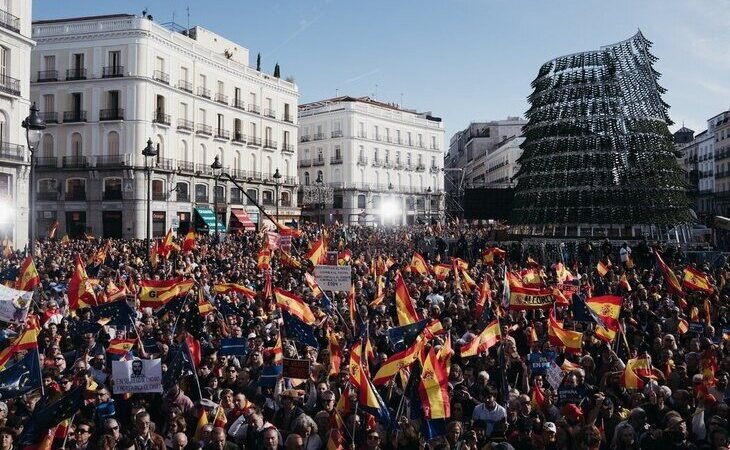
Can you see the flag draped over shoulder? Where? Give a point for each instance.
(407, 313)
(669, 277)
(156, 293)
(28, 278)
(294, 304)
(483, 342)
(694, 279)
(608, 308)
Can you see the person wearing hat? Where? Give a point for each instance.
(289, 411)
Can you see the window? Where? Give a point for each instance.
(6, 186)
(237, 96)
(287, 112)
(376, 132)
(76, 102)
(306, 178)
(221, 87)
(76, 189)
(361, 129)
(376, 202)
(78, 61)
(47, 146)
(361, 201)
(113, 189)
(49, 101)
(267, 133)
(285, 199)
(46, 189)
(253, 130)
(158, 190)
(397, 157)
(285, 138)
(268, 198)
(181, 192)
(201, 193)
(112, 148)
(320, 177)
(115, 58)
(203, 80)
(220, 193)
(183, 111)
(160, 64)
(112, 99)
(236, 195)
(49, 62)
(76, 145)
(387, 156)
(338, 152)
(201, 116)
(221, 122)
(4, 60)
(362, 153)
(252, 194)
(320, 154)
(160, 105)
(237, 132)
(252, 98)
(337, 201)
(184, 73)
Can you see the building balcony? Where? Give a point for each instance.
(112, 195)
(268, 143)
(336, 134)
(201, 198)
(378, 137)
(434, 147)
(161, 76)
(9, 85)
(288, 118)
(74, 162)
(49, 117)
(304, 138)
(47, 75)
(377, 163)
(362, 161)
(74, 116)
(159, 196)
(336, 160)
(287, 148)
(289, 181)
(75, 74)
(254, 109)
(185, 166)
(161, 118)
(112, 71)
(362, 134)
(318, 137)
(220, 133)
(409, 167)
(270, 113)
(387, 164)
(318, 162)
(238, 103)
(46, 161)
(239, 137)
(434, 169)
(203, 169)
(221, 98)
(203, 92)
(254, 141)
(184, 124)
(110, 161)
(49, 196)
(420, 168)
(164, 164)
(185, 85)
(305, 163)
(9, 21)
(12, 152)
(75, 196)
(182, 197)
(111, 114)
(203, 129)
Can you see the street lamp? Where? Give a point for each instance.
(428, 199)
(319, 182)
(216, 166)
(149, 151)
(33, 125)
(277, 177)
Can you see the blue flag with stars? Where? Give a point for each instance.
(22, 377)
(299, 331)
(402, 337)
(119, 312)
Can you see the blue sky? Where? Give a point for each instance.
(464, 60)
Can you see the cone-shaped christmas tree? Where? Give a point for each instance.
(597, 146)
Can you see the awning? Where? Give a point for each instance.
(242, 216)
(209, 218)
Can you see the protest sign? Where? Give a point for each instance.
(333, 278)
(296, 368)
(14, 304)
(137, 376)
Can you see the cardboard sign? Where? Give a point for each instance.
(285, 243)
(137, 376)
(554, 375)
(14, 304)
(333, 278)
(296, 368)
(540, 362)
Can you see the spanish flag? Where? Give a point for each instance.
(460, 263)
(168, 245)
(65, 240)
(202, 422)
(154, 254)
(637, 372)
(694, 279)
(558, 336)
(52, 230)
(562, 274)
(97, 258)
(441, 271)
(317, 253)
(398, 361)
(569, 366)
(222, 288)
(419, 265)
(114, 292)
(26, 340)
(288, 260)
(406, 312)
(28, 278)
(156, 293)
(683, 326)
(603, 268)
(445, 353)
(189, 242)
(336, 437)
(468, 281)
(433, 388)
(80, 289)
(608, 309)
(538, 398)
(379, 291)
(121, 347)
(624, 283)
(335, 353)
(204, 306)
(294, 304)
(485, 297)
(263, 260)
(278, 353)
(220, 420)
(312, 283)
(355, 367)
(483, 342)
(489, 256)
(669, 277)
(285, 230)
(351, 307)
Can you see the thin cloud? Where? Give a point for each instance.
(361, 76)
(304, 25)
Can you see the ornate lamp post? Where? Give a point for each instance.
(428, 199)
(33, 125)
(217, 168)
(149, 151)
(277, 177)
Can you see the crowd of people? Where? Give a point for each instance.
(227, 405)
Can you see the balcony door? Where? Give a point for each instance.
(115, 60)
(78, 61)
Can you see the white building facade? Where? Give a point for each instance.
(497, 166)
(383, 163)
(15, 54)
(107, 84)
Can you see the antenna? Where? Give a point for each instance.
(337, 92)
(401, 99)
(376, 91)
(188, 11)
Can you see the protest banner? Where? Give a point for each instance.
(333, 278)
(137, 376)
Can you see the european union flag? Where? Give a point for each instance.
(583, 313)
(172, 308)
(119, 313)
(150, 345)
(434, 428)
(298, 330)
(228, 309)
(233, 347)
(327, 303)
(403, 337)
(21, 377)
(48, 416)
(181, 364)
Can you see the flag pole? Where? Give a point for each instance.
(65, 438)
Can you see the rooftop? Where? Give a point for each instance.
(367, 100)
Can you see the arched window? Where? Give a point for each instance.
(268, 197)
(76, 145)
(253, 162)
(160, 148)
(76, 189)
(112, 144)
(220, 193)
(184, 150)
(306, 178)
(286, 167)
(237, 130)
(269, 165)
(158, 190)
(201, 156)
(237, 160)
(47, 146)
(220, 156)
(286, 138)
(182, 192)
(112, 188)
(285, 199)
(201, 193)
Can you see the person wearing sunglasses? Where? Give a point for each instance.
(82, 437)
(111, 436)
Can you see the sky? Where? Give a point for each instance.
(463, 60)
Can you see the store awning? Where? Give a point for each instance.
(244, 219)
(209, 218)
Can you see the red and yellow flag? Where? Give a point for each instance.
(156, 293)
(80, 288)
(65, 240)
(263, 259)
(558, 336)
(312, 283)
(204, 306)
(433, 388)
(288, 260)
(483, 342)
(398, 361)
(189, 242)
(608, 308)
(694, 279)
(335, 353)
(489, 256)
(603, 267)
(121, 346)
(562, 274)
(419, 265)
(168, 245)
(683, 326)
(220, 420)
(285, 230)
(637, 372)
(223, 288)
(26, 340)
(52, 230)
(441, 271)
(669, 276)
(317, 253)
(379, 291)
(28, 278)
(278, 352)
(406, 312)
(485, 297)
(294, 305)
(351, 307)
